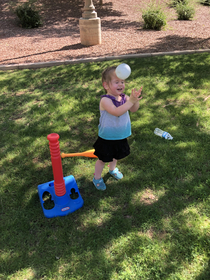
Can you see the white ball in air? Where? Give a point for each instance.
(123, 71)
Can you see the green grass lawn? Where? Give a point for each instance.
(153, 224)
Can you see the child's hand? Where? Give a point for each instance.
(135, 95)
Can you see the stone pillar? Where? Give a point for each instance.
(90, 25)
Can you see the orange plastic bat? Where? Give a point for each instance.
(89, 153)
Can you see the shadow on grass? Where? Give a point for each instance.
(115, 225)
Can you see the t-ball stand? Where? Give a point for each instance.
(64, 192)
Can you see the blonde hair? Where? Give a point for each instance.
(107, 74)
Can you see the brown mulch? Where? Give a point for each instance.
(121, 26)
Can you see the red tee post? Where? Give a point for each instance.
(59, 183)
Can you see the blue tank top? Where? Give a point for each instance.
(112, 127)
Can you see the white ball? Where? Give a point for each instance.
(123, 71)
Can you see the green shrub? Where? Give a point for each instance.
(205, 2)
(184, 11)
(29, 17)
(176, 2)
(154, 18)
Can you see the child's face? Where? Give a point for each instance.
(115, 87)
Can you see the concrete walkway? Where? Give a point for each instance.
(94, 59)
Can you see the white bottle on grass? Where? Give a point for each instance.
(163, 134)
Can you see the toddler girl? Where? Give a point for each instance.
(114, 125)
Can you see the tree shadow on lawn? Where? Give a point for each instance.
(71, 236)
(86, 241)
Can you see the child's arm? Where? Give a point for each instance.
(107, 104)
(135, 107)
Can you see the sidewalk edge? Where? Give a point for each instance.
(37, 65)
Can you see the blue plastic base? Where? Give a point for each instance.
(63, 205)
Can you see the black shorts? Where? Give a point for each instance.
(107, 150)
